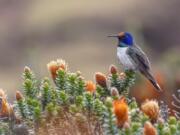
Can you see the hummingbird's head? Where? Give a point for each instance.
(125, 39)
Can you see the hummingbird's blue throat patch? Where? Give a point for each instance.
(120, 44)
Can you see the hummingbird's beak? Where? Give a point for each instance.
(113, 36)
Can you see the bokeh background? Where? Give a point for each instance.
(33, 32)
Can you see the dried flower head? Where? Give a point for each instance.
(19, 96)
(113, 69)
(27, 69)
(101, 79)
(151, 109)
(2, 94)
(176, 104)
(11, 111)
(126, 125)
(90, 86)
(160, 121)
(114, 92)
(122, 75)
(149, 129)
(164, 110)
(78, 73)
(120, 108)
(54, 66)
(62, 64)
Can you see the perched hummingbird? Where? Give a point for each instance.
(133, 58)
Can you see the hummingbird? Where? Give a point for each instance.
(132, 57)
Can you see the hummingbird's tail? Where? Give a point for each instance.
(155, 84)
(152, 80)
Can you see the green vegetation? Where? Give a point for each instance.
(74, 106)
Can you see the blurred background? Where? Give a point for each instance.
(34, 32)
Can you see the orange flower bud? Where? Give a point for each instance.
(90, 86)
(121, 111)
(113, 69)
(54, 66)
(4, 112)
(149, 129)
(19, 96)
(151, 109)
(101, 79)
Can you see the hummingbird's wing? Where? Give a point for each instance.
(141, 61)
(138, 58)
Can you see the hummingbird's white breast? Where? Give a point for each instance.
(124, 59)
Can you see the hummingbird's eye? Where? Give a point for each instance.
(123, 37)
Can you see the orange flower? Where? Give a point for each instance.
(151, 109)
(101, 79)
(149, 129)
(54, 66)
(90, 86)
(113, 69)
(121, 111)
(4, 108)
(19, 96)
